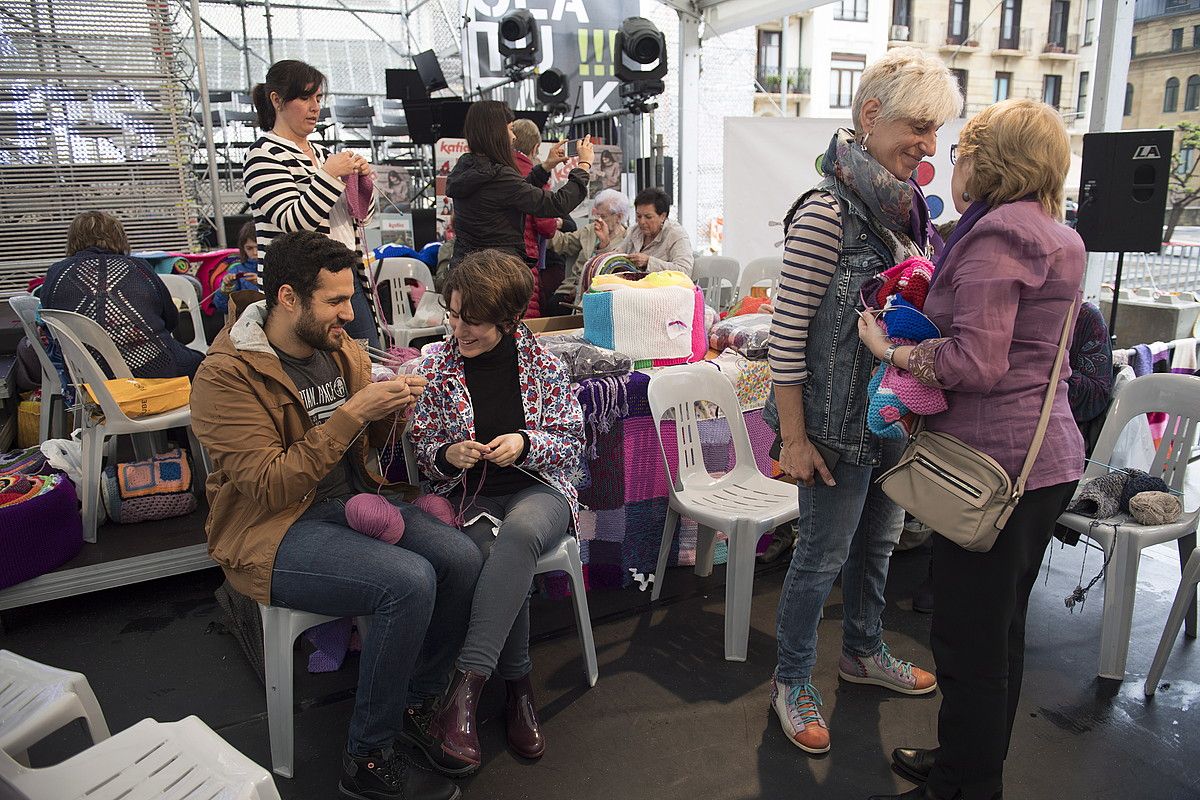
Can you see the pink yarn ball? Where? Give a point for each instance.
(436, 506)
(374, 516)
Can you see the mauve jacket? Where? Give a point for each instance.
(1000, 299)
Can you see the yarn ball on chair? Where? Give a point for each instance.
(375, 516)
(436, 506)
(1155, 508)
(1100, 498)
(1140, 482)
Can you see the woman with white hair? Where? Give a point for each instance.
(610, 215)
(865, 216)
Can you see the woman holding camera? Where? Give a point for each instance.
(491, 198)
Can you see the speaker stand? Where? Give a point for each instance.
(1116, 299)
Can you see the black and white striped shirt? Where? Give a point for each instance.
(810, 256)
(288, 193)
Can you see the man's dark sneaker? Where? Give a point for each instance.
(416, 733)
(386, 775)
(781, 543)
(922, 599)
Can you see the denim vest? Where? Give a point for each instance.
(839, 365)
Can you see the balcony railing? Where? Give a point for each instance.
(1014, 41)
(948, 39)
(1061, 46)
(771, 80)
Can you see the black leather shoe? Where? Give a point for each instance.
(385, 775)
(781, 544)
(416, 732)
(914, 763)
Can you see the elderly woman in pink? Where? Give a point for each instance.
(1006, 281)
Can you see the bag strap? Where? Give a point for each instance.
(1047, 404)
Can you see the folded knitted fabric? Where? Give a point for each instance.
(1140, 482)
(903, 320)
(909, 279)
(885, 411)
(1100, 497)
(910, 392)
(359, 189)
(1155, 508)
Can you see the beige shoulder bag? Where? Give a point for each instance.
(958, 491)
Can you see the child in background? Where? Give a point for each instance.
(242, 273)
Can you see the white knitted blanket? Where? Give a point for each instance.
(653, 323)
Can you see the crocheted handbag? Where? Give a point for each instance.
(958, 491)
(158, 488)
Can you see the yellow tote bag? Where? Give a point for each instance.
(141, 397)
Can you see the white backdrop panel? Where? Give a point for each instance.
(770, 161)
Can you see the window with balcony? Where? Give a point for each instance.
(960, 75)
(768, 68)
(1196, 36)
(901, 21)
(1081, 102)
(1191, 100)
(1128, 100)
(1060, 14)
(851, 10)
(1003, 87)
(1010, 25)
(1171, 96)
(959, 23)
(1089, 21)
(844, 71)
(1176, 39)
(1051, 90)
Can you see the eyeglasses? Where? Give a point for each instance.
(953, 154)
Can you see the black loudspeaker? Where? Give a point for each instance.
(233, 226)
(651, 172)
(1123, 190)
(405, 84)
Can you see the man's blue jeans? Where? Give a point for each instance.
(852, 528)
(417, 592)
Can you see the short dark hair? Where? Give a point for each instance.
(486, 131)
(653, 196)
(296, 260)
(246, 233)
(493, 286)
(289, 79)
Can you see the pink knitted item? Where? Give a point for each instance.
(916, 396)
(910, 279)
(359, 190)
(436, 506)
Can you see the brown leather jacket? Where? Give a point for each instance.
(267, 456)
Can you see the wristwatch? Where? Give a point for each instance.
(887, 354)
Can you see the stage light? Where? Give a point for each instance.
(554, 90)
(640, 60)
(520, 42)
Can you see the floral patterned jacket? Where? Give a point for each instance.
(444, 415)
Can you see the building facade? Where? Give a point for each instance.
(1164, 70)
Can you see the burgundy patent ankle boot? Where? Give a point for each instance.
(455, 723)
(520, 714)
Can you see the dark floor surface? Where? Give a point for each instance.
(669, 718)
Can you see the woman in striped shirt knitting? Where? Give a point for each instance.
(293, 184)
(865, 216)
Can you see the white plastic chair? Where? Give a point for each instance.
(187, 290)
(148, 761)
(36, 700)
(1185, 600)
(281, 626)
(566, 558)
(1123, 539)
(52, 411)
(76, 334)
(711, 273)
(743, 502)
(760, 270)
(392, 276)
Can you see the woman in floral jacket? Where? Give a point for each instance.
(499, 431)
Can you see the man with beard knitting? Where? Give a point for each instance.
(285, 406)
